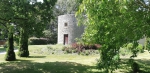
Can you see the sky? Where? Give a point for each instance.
(40, 0)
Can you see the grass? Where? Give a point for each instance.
(66, 63)
(47, 67)
(46, 49)
(43, 63)
(57, 46)
(2, 49)
(49, 64)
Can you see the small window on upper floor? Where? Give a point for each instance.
(66, 24)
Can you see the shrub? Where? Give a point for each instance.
(38, 41)
(63, 49)
(52, 36)
(69, 51)
(49, 47)
(130, 46)
(128, 49)
(86, 47)
(140, 48)
(74, 51)
(124, 51)
(81, 49)
(6, 44)
(52, 52)
(87, 52)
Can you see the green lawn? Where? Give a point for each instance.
(2, 49)
(43, 63)
(65, 63)
(49, 64)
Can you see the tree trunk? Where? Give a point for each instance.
(10, 55)
(23, 43)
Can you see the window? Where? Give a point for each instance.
(66, 24)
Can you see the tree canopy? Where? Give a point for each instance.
(20, 11)
(114, 23)
(29, 16)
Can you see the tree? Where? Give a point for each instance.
(114, 23)
(10, 55)
(37, 15)
(3, 36)
(67, 6)
(6, 23)
(29, 16)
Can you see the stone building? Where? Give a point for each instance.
(68, 30)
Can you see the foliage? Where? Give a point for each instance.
(67, 6)
(113, 23)
(130, 46)
(51, 36)
(6, 44)
(23, 43)
(140, 48)
(148, 44)
(27, 15)
(85, 46)
(3, 36)
(81, 49)
(10, 55)
(38, 41)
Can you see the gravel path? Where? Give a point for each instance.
(5, 52)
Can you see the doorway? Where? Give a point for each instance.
(65, 39)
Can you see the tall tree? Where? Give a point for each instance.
(10, 55)
(36, 17)
(6, 22)
(67, 6)
(29, 16)
(113, 23)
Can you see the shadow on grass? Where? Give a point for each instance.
(144, 65)
(36, 56)
(20, 60)
(47, 67)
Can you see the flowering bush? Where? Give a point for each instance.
(81, 48)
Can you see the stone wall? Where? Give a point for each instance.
(67, 24)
